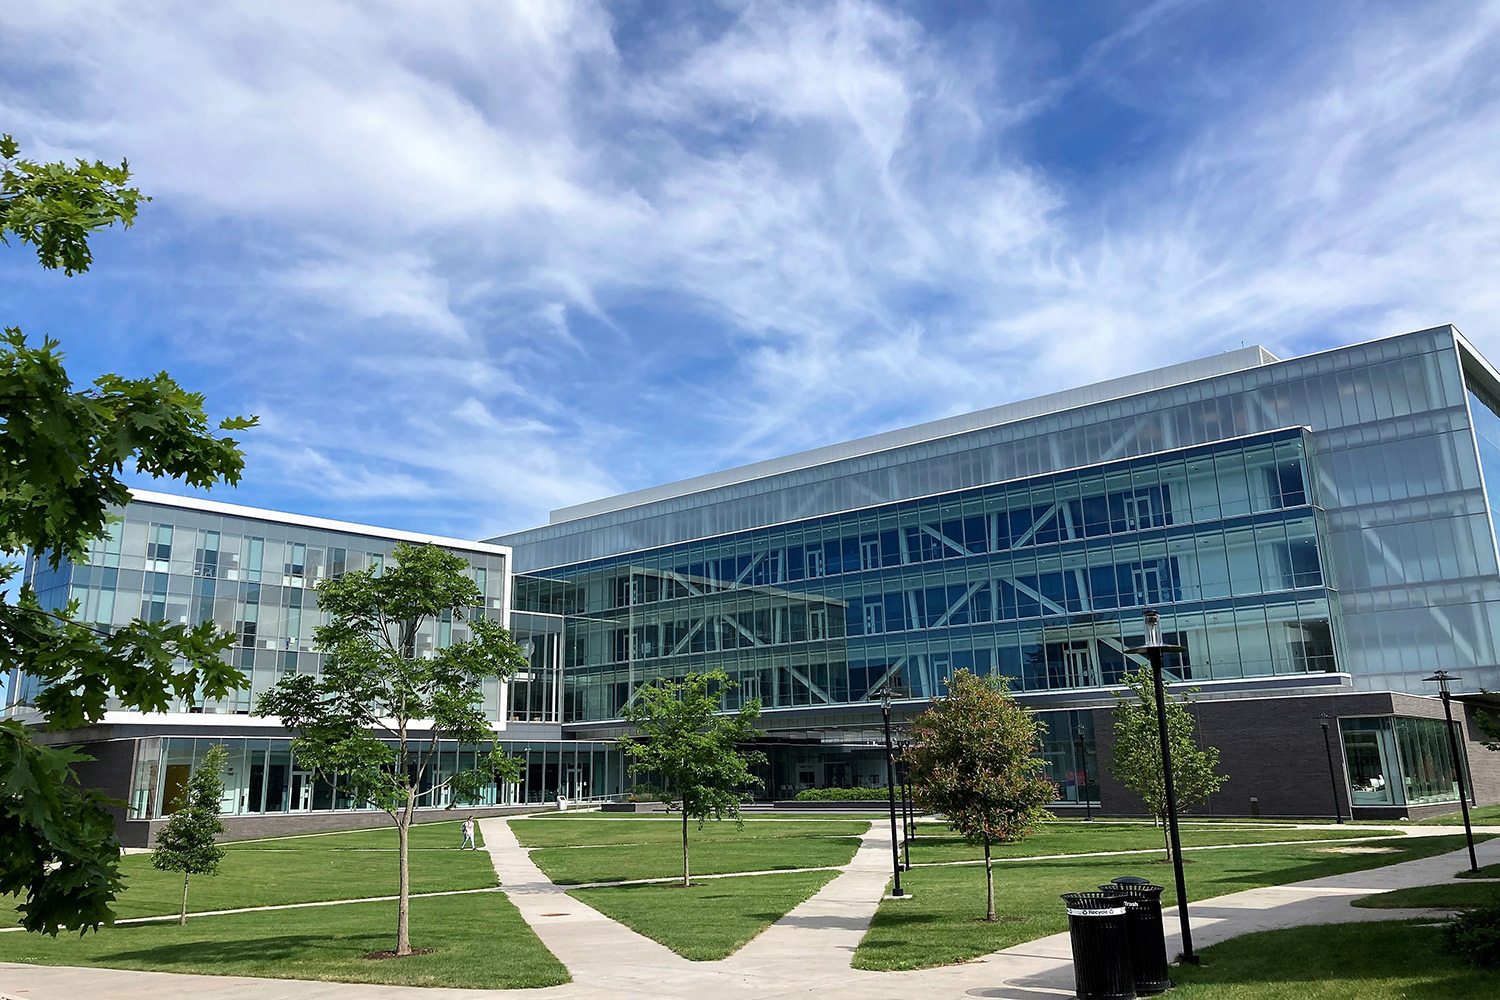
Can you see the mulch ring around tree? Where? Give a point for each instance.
(377, 955)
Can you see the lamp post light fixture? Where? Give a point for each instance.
(1333, 782)
(1442, 677)
(1153, 649)
(890, 788)
(1083, 764)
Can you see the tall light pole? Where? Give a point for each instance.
(901, 776)
(1333, 782)
(1153, 649)
(890, 786)
(1083, 764)
(1443, 677)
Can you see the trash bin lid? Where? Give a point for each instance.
(1133, 890)
(1130, 880)
(1093, 904)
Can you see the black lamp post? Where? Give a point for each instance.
(1443, 677)
(1083, 764)
(911, 822)
(1333, 782)
(1153, 649)
(890, 787)
(901, 775)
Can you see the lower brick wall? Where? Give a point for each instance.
(1273, 753)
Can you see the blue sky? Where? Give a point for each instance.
(469, 262)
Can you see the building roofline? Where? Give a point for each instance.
(306, 521)
(1194, 370)
(845, 511)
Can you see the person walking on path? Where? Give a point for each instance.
(468, 829)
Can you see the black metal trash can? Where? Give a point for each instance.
(1101, 946)
(1148, 937)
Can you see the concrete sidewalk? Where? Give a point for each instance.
(805, 953)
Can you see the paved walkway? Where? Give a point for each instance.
(807, 952)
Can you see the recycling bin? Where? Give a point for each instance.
(1146, 933)
(1097, 926)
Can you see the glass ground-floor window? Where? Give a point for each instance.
(1427, 769)
(1398, 761)
(1371, 761)
(262, 775)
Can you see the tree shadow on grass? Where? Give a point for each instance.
(201, 954)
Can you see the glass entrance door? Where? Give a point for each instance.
(300, 799)
(1078, 666)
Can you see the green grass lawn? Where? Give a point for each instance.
(424, 837)
(1082, 838)
(307, 869)
(576, 866)
(1448, 896)
(710, 920)
(1385, 960)
(1485, 871)
(556, 833)
(481, 942)
(1482, 816)
(937, 926)
(577, 852)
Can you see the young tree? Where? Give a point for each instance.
(376, 714)
(62, 452)
(974, 759)
(1137, 751)
(693, 749)
(186, 844)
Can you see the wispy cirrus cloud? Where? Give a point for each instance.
(475, 260)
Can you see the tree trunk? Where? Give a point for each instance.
(403, 906)
(686, 881)
(1166, 837)
(182, 919)
(989, 885)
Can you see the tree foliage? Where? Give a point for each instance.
(974, 759)
(1137, 751)
(1489, 725)
(63, 450)
(56, 208)
(187, 843)
(376, 714)
(684, 741)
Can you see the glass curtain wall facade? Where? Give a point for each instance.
(1407, 534)
(1041, 581)
(254, 578)
(263, 776)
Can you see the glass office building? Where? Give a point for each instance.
(1319, 533)
(1306, 527)
(252, 573)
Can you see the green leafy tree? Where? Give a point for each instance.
(63, 450)
(376, 714)
(187, 843)
(686, 743)
(1137, 751)
(1489, 725)
(974, 759)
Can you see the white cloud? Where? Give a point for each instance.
(506, 257)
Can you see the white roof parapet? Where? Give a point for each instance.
(1115, 388)
(321, 523)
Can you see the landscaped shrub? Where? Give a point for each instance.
(840, 794)
(1475, 935)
